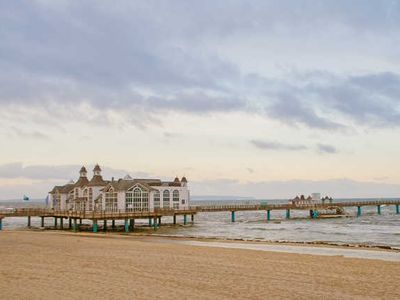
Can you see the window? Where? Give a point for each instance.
(156, 199)
(166, 199)
(136, 200)
(111, 200)
(56, 201)
(90, 199)
(175, 199)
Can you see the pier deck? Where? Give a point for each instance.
(156, 215)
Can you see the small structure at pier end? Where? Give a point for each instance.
(122, 195)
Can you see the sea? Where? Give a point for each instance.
(370, 229)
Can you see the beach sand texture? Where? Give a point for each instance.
(55, 265)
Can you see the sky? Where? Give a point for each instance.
(266, 99)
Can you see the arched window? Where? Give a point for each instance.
(136, 199)
(111, 200)
(175, 198)
(166, 199)
(156, 199)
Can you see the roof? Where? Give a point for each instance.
(184, 179)
(62, 189)
(176, 179)
(82, 181)
(83, 169)
(97, 168)
(124, 185)
(97, 180)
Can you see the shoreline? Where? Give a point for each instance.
(317, 244)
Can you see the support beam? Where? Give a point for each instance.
(75, 225)
(113, 224)
(174, 219)
(61, 223)
(378, 209)
(359, 211)
(184, 219)
(42, 222)
(94, 226)
(104, 225)
(268, 215)
(29, 221)
(126, 225)
(288, 214)
(233, 216)
(397, 209)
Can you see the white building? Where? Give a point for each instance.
(125, 194)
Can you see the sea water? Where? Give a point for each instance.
(369, 229)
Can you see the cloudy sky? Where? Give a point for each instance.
(248, 98)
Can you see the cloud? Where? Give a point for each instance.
(268, 145)
(323, 148)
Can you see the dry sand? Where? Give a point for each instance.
(49, 265)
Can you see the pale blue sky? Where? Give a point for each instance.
(247, 98)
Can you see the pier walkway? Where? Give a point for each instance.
(155, 216)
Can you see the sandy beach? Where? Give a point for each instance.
(44, 265)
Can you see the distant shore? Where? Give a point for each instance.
(54, 264)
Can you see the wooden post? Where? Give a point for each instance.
(55, 222)
(41, 221)
(113, 224)
(159, 221)
(29, 221)
(268, 215)
(94, 226)
(75, 225)
(105, 225)
(174, 219)
(80, 221)
(358, 211)
(288, 214)
(61, 223)
(149, 222)
(192, 217)
(184, 219)
(70, 223)
(397, 209)
(378, 208)
(233, 216)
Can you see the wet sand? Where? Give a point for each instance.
(44, 265)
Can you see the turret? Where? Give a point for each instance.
(97, 170)
(184, 181)
(83, 172)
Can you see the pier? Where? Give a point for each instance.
(75, 217)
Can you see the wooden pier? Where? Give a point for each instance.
(75, 217)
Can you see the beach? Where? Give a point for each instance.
(50, 264)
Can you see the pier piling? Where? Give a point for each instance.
(69, 223)
(55, 222)
(1, 224)
(150, 223)
(95, 226)
(268, 215)
(113, 224)
(75, 225)
(397, 209)
(131, 224)
(29, 221)
(174, 220)
(155, 223)
(126, 225)
(42, 222)
(288, 214)
(105, 225)
(184, 219)
(358, 211)
(192, 217)
(61, 223)
(378, 209)
(159, 221)
(233, 216)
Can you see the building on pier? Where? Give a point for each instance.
(127, 194)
